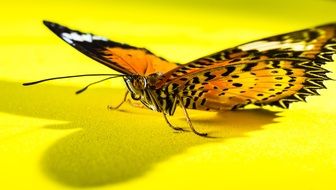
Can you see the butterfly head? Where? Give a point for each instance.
(136, 84)
(140, 88)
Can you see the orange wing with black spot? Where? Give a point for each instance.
(271, 71)
(120, 57)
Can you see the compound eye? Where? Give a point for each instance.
(135, 96)
(139, 84)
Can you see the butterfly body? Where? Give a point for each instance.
(273, 71)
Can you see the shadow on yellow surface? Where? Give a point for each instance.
(114, 146)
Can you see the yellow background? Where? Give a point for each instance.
(51, 138)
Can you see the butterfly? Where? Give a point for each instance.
(273, 71)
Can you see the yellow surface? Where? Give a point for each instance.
(51, 138)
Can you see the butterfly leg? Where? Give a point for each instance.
(135, 104)
(189, 121)
(121, 103)
(171, 125)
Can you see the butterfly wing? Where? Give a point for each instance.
(120, 57)
(271, 71)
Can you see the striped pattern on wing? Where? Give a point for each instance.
(272, 71)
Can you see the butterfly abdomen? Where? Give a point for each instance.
(167, 101)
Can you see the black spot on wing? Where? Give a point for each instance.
(237, 84)
(195, 80)
(203, 101)
(209, 76)
(249, 67)
(228, 71)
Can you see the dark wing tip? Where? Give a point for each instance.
(50, 24)
(53, 26)
(45, 22)
(56, 28)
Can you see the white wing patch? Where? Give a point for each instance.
(74, 36)
(266, 45)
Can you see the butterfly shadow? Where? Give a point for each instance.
(112, 146)
(228, 124)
